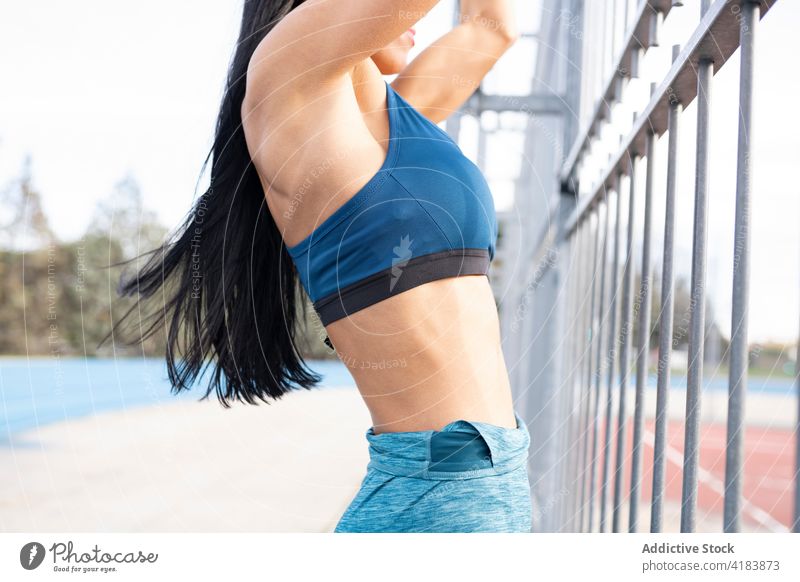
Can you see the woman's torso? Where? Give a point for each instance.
(430, 354)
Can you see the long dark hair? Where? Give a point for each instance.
(230, 291)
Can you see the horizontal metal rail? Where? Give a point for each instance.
(642, 34)
(715, 40)
(536, 104)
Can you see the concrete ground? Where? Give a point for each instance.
(295, 465)
(190, 467)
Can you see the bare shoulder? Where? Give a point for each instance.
(292, 126)
(312, 146)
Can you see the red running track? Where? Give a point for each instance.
(767, 488)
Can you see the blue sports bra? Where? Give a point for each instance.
(427, 214)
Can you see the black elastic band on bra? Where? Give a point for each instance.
(399, 278)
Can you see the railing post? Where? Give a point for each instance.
(737, 381)
(591, 331)
(698, 298)
(643, 341)
(624, 339)
(666, 316)
(568, 272)
(610, 358)
(599, 365)
(578, 380)
(568, 284)
(570, 365)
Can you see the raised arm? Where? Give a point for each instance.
(445, 74)
(321, 40)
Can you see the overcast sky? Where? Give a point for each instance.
(97, 89)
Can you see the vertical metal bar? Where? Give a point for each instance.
(643, 340)
(576, 381)
(697, 302)
(590, 328)
(666, 316)
(602, 53)
(562, 402)
(580, 333)
(655, 26)
(482, 139)
(575, 80)
(737, 381)
(636, 57)
(566, 286)
(613, 48)
(583, 336)
(569, 284)
(594, 372)
(610, 358)
(453, 123)
(625, 18)
(571, 352)
(624, 333)
(599, 365)
(574, 276)
(583, 361)
(597, 330)
(570, 385)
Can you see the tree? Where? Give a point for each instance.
(23, 221)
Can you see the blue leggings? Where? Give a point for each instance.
(469, 477)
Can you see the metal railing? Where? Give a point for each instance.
(574, 312)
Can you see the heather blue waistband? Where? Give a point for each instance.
(463, 449)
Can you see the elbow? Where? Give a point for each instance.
(507, 33)
(488, 28)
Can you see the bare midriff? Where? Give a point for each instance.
(428, 356)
